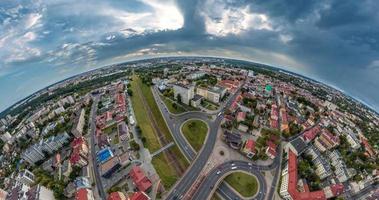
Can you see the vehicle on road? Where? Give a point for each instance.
(234, 167)
(218, 172)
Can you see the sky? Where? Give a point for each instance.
(336, 42)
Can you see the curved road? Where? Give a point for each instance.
(184, 184)
(210, 182)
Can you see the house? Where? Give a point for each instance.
(84, 194)
(243, 128)
(140, 196)
(310, 134)
(241, 116)
(234, 140)
(326, 141)
(271, 149)
(123, 131)
(249, 148)
(142, 182)
(117, 196)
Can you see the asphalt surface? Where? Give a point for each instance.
(174, 121)
(99, 184)
(214, 177)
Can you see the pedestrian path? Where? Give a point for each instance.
(162, 149)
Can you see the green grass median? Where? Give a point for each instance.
(245, 184)
(195, 132)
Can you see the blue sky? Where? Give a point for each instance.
(42, 42)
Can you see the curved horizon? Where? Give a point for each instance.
(197, 56)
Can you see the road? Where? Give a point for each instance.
(174, 122)
(214, 177)
(99, 184)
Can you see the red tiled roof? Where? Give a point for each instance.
(139, 196)
(81, 194)
(311, 133)
(250, 145)
(271, 148)
(140, 180)
(337, 189)
(116, 196)
(292, 182)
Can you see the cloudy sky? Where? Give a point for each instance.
(42, 42)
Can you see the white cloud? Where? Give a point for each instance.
(164, 15)
(32, 20)
(221, 20)
(285, 38)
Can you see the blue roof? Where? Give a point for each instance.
(104, 154)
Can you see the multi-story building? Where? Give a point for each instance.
(36, 153)
(352, 139)
(39, 192)
(213, 94)
(33, 154)
(26, 177)
(341, 171)
(186, 92)
(77, 129)
(326, 141)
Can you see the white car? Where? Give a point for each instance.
(234, 168)
(218, 172)
(250, 164)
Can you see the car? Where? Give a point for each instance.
(220, 113)
(234, 168)
(233, 164)
(218, 172)
(250, 164)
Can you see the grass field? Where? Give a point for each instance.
(243, 183)
(209, 105)
(164, 169)
(142, 118)
(195, 132)
(170, 105)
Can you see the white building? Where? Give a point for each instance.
(341, 171)
(213, 94)
(352, 139)
(26, 177)
(7, 138)
(186, 92)
(77, 129)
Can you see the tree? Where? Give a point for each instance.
(130, 92)
(134, 145)
(179, 98)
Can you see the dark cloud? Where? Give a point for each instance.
(336, 41)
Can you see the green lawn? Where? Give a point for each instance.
(142, 117)
(195, 132)
(110, 129)
(170, 105)
(165, 170)
(243, 183)
(209, 105)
